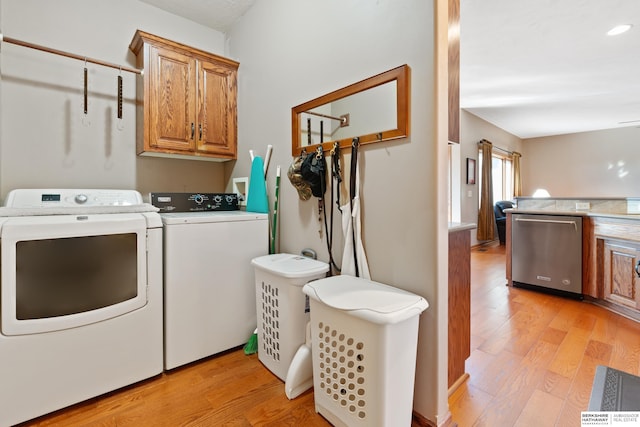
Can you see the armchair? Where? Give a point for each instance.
(501, 217)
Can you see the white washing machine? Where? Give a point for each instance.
(81, 297)
(209, 287)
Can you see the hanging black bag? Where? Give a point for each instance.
(314, 171)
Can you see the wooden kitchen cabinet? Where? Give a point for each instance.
(620, 280)
(187, 104)
(617, 252)
(610, 254)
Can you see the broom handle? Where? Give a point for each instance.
(275, 213)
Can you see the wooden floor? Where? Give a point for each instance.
(533, 356)
(532, 364)
(231, 389)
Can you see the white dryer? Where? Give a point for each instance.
(209, 287)
(80, 297)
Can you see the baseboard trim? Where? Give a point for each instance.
(420, 421)
(458, 383)
(486, 244)
(615, 308)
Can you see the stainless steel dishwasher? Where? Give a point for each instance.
(546, 253)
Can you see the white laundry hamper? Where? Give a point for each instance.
(364, 341)
(282, 308)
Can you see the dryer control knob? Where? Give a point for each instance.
(81, 198)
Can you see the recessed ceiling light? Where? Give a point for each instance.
(619, 29)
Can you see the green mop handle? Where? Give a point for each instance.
(272, 249)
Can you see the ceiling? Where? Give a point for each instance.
(532, 68)
(216, 14)
(547, 67)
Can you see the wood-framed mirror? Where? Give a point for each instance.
(374, 110)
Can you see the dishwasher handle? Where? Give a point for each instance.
(550, 221)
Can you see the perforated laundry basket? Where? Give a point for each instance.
(282, 308)
(364, 340)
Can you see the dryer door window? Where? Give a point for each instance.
(66, 271)
(60, 277)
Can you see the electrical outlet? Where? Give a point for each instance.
(633, 206)
(582, 206)
(241, 188)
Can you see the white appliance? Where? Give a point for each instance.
(209, 287)
(80, 297)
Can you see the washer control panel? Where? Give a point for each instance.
(64, 198)
(194, 202)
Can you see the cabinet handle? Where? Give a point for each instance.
(200, 130)
(193, 130)
(638, 268)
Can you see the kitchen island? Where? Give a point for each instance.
(610, 247)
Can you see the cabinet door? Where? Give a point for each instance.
(172, 98)
(217, 117)
(620, 278)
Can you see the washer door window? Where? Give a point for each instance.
(68, 271)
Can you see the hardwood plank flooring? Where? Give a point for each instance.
(534, 355)
(532, 364)
(229, 389)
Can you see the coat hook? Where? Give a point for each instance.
(120, 94)
(85, 86)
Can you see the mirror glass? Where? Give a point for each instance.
(375, 109)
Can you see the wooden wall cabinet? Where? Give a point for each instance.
(187, 104)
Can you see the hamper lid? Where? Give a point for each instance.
(366, 299)
(290, 266)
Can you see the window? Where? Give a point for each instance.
(501, 174)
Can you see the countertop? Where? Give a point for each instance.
(605, 207)
(461, 226)
(573, 213)
(577, 198)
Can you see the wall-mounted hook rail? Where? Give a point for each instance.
(343, 119)
(67, 54)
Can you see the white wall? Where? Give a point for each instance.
(602, 163)
(45, 139)
(294, 51)
(472, 130)
(377, 106)
(590, 164)
(289, 52)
